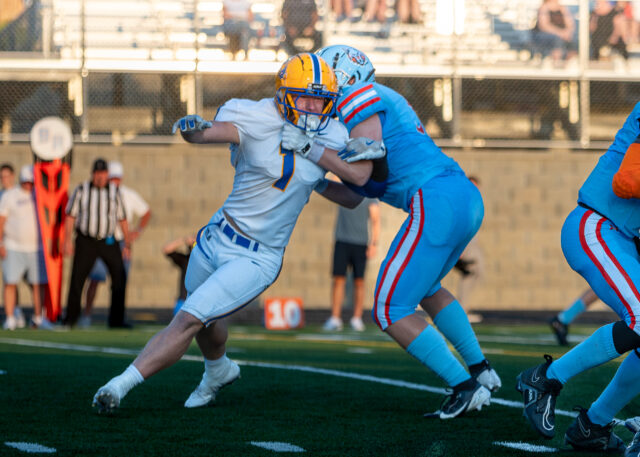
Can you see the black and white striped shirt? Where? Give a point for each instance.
(97, 210)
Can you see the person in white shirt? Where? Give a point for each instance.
(21, 248)
(238, 254)
(7, 181)
(135, 208)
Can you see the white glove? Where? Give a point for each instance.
(296, 140)
(362, 148)
(190, 123)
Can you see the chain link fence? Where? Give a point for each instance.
(478, 72)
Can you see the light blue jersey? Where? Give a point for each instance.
(597, 191)
(412, 156)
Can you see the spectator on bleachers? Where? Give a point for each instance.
(342, 9)
(375, 10)
(553, 33)
(408, 11)
(299, 18)
(237, 25)
(607, 27)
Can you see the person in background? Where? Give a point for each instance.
(179, 251)
(342, 9)
(136, 209)
(554, 31)
(299, 18)
(237, 16)
(21, 249)
(94, 223)
(352, 247)
(560, 322)
(8, 181)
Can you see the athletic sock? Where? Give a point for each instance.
(624, 386)
(129, 378)
(431, 350)
(595, 350)
(454, 324)
(568, 315)
(212, 367)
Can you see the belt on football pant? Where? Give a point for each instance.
(230, 233)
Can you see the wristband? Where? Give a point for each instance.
(315, 152)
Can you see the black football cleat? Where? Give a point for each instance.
(539, 394)
(560, 330)
(584, 435)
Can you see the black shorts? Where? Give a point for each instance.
(345, 254)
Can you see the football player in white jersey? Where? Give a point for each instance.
(239, 253)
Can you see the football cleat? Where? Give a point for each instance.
(106, 400)
(634, 447)
(584, 435)
(332, 324)
(486, 376)
(560, 330)
(539, 394)
(461, 401)
(206, 391)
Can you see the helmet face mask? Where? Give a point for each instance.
(306, 75)
(350, 65)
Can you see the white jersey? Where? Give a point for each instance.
(21, 231)
(134, 207)
(271, 186)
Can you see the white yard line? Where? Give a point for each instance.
(280, 366)
(525, 446)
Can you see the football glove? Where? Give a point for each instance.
(296, 140)
(190, 123)
(362, 148)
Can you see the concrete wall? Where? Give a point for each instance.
(527, 196)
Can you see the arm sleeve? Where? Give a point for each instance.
(626, 181)
(357, 103)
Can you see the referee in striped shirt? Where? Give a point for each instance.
(93, 211)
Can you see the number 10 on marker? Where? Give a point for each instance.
(283, 313)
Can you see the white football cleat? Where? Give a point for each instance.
(332, 324)
(206, 391)
(487, 376)
(106, 400)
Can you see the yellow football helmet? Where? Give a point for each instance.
(307, 75)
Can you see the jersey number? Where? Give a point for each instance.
(288, 165)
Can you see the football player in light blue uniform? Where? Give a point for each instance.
(600, 241)
(239, 253)
(445, 212)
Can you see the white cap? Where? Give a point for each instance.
(115, 169)
(26, 174)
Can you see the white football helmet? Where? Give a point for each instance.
(350, 65)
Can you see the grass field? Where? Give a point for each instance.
(338, 394)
